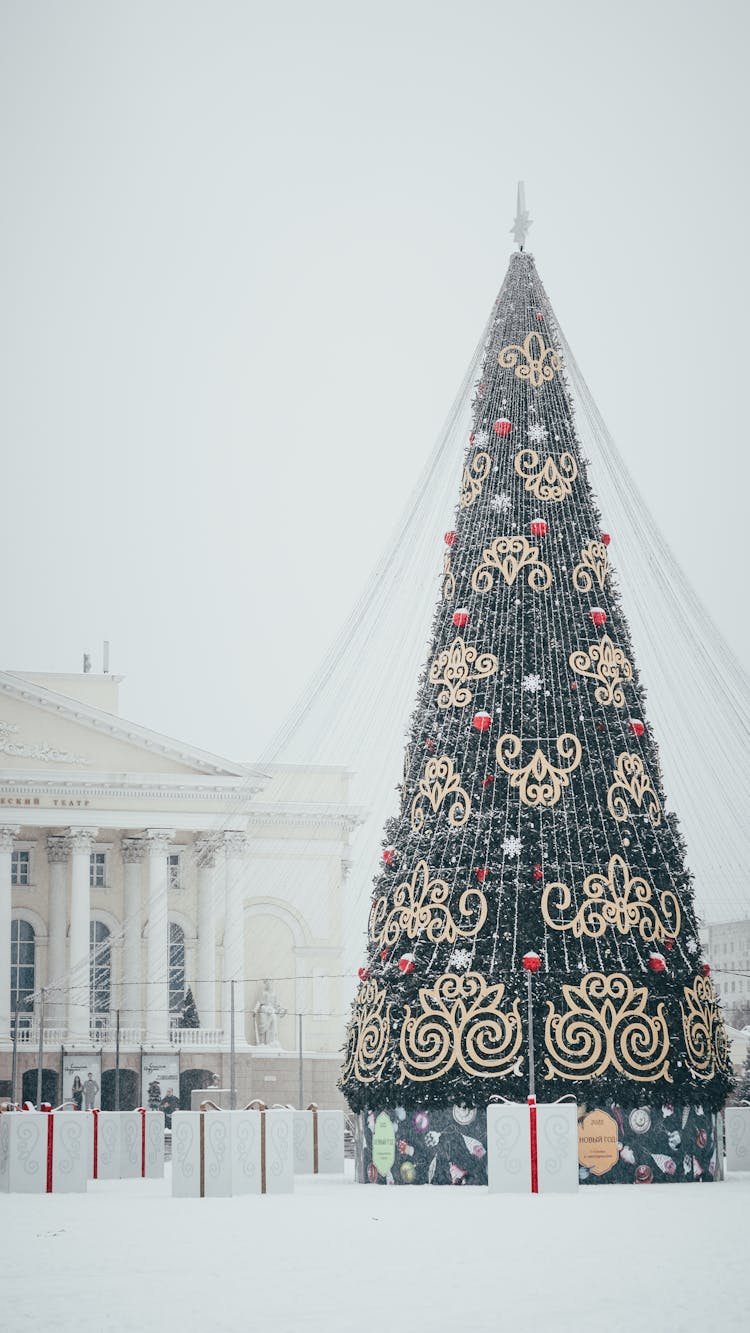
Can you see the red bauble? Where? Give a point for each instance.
(706, 969)
(502, 427)
(574, 686)
(471, 438)
(669, 943)
(449, 538)
(383, 955)
(531, 962)
(540, 316)
(538, 527)
(482, 721)
(538, 872)
(657, 962)
(389, 855)
(429, 745)
(598, 616)
(362, 973)
(636, 726)
(487, 782)
(606, 539)
(406, 963)
(461, 617)
(482, 874)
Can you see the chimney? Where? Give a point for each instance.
(105, 658)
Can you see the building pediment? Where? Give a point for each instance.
(46, 733)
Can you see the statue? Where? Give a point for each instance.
(266, 1013)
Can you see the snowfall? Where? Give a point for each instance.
(337, 1257)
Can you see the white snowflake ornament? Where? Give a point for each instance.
(512, 846)
(537, 433)
(531, 683)
(501, 503)
(460, 958)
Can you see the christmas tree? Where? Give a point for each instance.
(532, 822)
(742, 1091)
(189, 1012)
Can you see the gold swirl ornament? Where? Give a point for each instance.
(551, 480)
(632, 780)
(539, 364)
(449, 578)
(456, 665)
(593, 564)
(606, 1024)
(618, 899)
(419, 906)
(461, 1023)
(367, 1035)
(540, 783)
(475, 474)
(607, 664)
(439, 781)
(705, 1033)
(508, 556)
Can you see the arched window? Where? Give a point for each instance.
(100, 974)
(22, 965)
(176, 967)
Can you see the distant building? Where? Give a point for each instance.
(132, 867)
(727, 948)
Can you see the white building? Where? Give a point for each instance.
(132, 867)
(727, 948)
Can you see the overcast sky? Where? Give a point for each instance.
(247, 250)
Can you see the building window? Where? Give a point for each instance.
(100, 974)
(98, 870)
(22, 964)
(176, 968)
(173, 871)
(20, 869)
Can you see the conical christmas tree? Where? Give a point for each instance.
(533, 820)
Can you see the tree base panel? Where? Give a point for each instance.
(447, 1145)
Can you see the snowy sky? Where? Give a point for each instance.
(247, 251)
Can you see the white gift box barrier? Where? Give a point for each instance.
(318, 1142)
(511, 1149)
(737, 1137)
(216, 1154)
(43, 1153)
(126, 1145)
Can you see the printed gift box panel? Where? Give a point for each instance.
(443, 1146)
(616, 1145)
(646, 1145)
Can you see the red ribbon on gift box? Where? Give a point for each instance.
(95, 1114)
(142, 1114)
(533, 1146)
(50, 1147)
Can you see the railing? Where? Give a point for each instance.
(28, 1035)
(102, 1032)
(196, 1036)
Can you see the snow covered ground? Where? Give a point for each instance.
(343, 1258)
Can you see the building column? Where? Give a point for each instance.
(79, 958)
(133, 855)
(235, 846)
(7, 833)
(204, 851)
(157, 967)
(58, 856)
